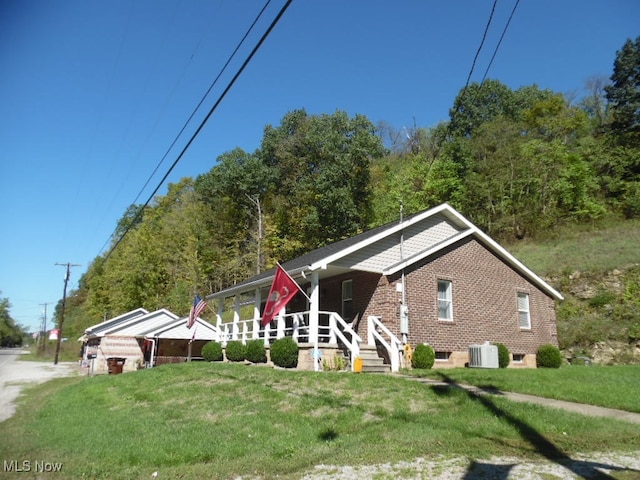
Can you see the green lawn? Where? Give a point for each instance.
(606, 386)
(203, 420)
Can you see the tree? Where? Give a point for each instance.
(321, 191)
(595, 103)
(235, 189)
(624, 92)
(10, 333)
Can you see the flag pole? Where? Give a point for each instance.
(292, 279)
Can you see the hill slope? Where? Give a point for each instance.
(597, 269)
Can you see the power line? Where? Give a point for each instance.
(197, 107)
(473, 64)
(495, 52)
(211, 111)
(484, 37)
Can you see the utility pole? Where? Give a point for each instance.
(43, 328)
(64, 301)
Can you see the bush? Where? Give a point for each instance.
(548, 356)
(284, 353)
(503, 355)
(423, 356)
(255, 351)
(235, 351)
(212, 352)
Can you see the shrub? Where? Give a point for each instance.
(503, 355)
(548, 356)
(235, 351)
(255, 351)
(423, 356)
(284, 352)
(212, 352)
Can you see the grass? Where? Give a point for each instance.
(606, 386)
(578, 248)
(215, 420)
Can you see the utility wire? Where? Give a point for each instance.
(495, 52)
(466, 85)
(202, 124)
(484, 37)
(197, 107)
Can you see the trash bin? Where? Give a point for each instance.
(115, 365)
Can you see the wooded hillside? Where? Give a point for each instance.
(517, 163)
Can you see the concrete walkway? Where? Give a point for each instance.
(582, 408)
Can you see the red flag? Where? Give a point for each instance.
(283, 289)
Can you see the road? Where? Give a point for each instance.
(16, 373)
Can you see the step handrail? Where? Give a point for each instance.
(336, 320)
(393, 346)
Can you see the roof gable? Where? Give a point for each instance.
(113, 322)
(389, 248)
(142, 325)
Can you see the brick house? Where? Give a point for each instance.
(432, 278)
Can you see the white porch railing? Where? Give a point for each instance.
(378, 331)
(331, 327)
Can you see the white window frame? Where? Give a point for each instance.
(347, 297)
(447, 300)
(524, 312)
(442, 356)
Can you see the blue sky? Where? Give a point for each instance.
(94, 93)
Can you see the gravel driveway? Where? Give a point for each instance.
(15, 374)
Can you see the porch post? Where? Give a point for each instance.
(256, 313)
(219, 313)
(314, 309)
(236, 316)
(280, 323)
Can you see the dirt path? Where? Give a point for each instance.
(15, 374)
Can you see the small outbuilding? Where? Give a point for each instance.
(142, 339)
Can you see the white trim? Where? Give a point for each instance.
(467, 229)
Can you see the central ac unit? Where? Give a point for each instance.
(483, 356)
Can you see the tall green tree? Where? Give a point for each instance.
(322, 190)
(624, 92)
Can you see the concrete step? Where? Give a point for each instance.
(372, 362)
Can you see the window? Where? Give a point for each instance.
(444, 300)
(347, 299)
(523, 311)
(518, 358)
(442, 356)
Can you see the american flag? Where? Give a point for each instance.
(196, 310)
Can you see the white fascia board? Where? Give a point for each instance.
(322, 264)
(251, 286)
(140, 319)
(517, 264)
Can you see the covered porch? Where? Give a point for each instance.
(327, 323)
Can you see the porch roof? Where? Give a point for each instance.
(99, 329)
(178, 330)
(389, 248)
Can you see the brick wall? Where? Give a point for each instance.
(484, 294)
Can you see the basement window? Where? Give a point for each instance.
(442, 356)
(518, 358)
